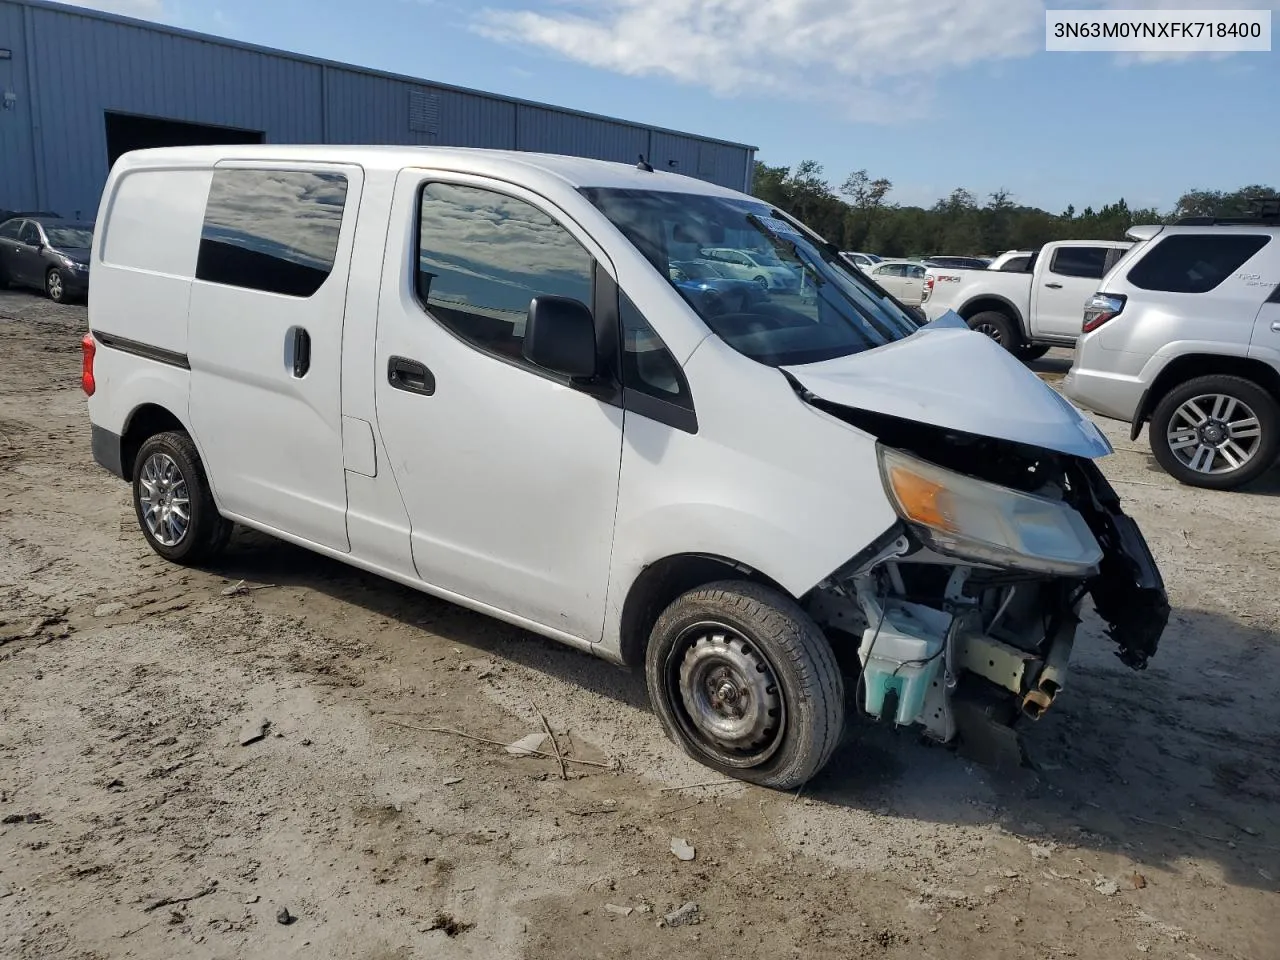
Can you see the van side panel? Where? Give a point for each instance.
(149, 230)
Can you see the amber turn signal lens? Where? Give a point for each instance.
(920, 498)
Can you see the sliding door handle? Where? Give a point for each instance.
(411, 376)
(301, 352)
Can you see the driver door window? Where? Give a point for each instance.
(30, 235)
(482, 256)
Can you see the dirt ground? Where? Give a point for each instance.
(135, 824)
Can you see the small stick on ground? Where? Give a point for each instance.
(564, 771)
(695, 786)
(498, 743)
(1136, 483)
(170, 901)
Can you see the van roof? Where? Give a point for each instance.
(513, 165)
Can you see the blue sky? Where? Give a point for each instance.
(933, 94)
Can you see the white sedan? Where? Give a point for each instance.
(902, 278)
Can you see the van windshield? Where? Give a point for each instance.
(817, 307)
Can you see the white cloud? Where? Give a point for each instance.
(848, 52)
(142, 9)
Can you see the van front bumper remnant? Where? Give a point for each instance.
(966, 650)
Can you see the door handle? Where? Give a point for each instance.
(1054, 286)
(1275, 327)
(301, 352)
(410, 376)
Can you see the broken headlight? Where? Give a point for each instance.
(969, 519)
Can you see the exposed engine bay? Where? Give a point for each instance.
(964, 647)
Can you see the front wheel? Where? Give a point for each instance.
(763, 281)
(173, 502)
(998, 327)
(54, 287)
(746, 683)
(1218, 432)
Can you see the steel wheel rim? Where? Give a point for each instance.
(55, 285)
(1214, 434)
(990, 330)
(163, 500)
(726, 694)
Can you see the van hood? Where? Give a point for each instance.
(949, 376)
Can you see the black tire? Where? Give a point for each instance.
(1032, 351)
(207, 531)
(54, 286)
(763, 281)
(999, 328)
(1246, 392)
(794, 664)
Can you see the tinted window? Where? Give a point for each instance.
(1088, 262)
(9, 229)
(483, 256)
(29, 234)
(1015, 265)
(915, 273)
(1194, 263)
(892, 270)
(271, 230)
(647, 364)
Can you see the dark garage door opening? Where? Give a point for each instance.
(127, 132)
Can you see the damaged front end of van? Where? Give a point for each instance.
(965, 612)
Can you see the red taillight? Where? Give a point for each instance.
(88, 348)
(928, 287)
(1101, 308)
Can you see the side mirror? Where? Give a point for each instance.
(560, 336)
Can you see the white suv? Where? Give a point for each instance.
(1185, 334)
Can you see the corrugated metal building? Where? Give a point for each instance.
(78, 88)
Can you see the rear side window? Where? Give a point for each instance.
(9, 230)
(482, 256)
(1194, 262)
(1016, 265)
(1087, 262)
(272, 230)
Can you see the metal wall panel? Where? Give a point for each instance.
(17, 158)
(543, 130)
(86, 67)
(69, 67)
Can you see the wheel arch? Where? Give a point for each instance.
(995, 303)
(1192, 365)
(144, 422)
(662, 581)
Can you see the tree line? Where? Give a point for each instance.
(859, 214)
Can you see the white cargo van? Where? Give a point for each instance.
(471, 372)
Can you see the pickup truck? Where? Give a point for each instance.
(1030, 311)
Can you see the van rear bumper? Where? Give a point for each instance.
(108, 450)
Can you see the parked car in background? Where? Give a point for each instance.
(721, 500)
(1184, 335)
(46, 254)
(703, 280)
(902, 278)
(861, 260)
(957, 263)
(766, 270)
(1029, 312)
(1012, 261)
